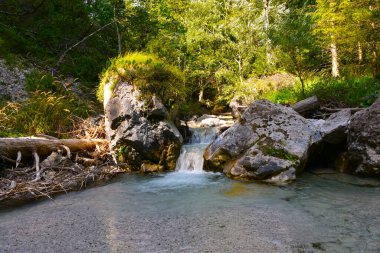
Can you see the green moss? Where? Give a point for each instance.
(279, 153)
(149, 74)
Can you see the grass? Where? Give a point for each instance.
(148, 73)
(43, 113)
(355, 92)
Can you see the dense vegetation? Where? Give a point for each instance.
(225, 48)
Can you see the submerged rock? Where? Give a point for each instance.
(269, 142)
(364, 141)
(139, 130)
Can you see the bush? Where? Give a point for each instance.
(149, 74)
(343, 92)
(42, 113)
(43, 82)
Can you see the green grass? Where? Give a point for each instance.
(149, 74)
(353, 92)
(43, 113)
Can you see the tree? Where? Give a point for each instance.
(294, 37)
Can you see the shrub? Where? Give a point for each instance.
(37, 80)
(149, 74)
(342, 92)
(42, 113)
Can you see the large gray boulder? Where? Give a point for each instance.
(139, 130)
(364, 141)
(270, 142)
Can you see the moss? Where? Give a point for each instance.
(149, 74)
(279, 153)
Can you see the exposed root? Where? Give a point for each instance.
(19, 155)
(56, 174)
(37, 165)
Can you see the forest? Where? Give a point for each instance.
(190, 126)
(245, 50)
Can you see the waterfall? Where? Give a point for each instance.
(191, 157)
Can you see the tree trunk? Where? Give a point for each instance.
(334, 58)
(117, 32)
(200, 98)
(266, 29)
(360, 53)
(9, 147)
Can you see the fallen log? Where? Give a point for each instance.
(10, 147)
(307, 105)
(332, 110)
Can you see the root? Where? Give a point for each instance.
(19, 155)
(37, 165)
(68, 151)
(56, 174)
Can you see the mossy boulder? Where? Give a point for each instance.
(136, 89)
(269, 142)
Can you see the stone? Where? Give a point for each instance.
(140, 131)
(334, 129)
(12, 82)
(237, 107)
(269, 142)
(364, 141)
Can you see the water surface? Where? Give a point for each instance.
(199, 212)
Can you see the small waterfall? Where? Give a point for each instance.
(191, 157)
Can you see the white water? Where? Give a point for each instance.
(191, 157)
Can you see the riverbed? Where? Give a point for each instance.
(200, 212)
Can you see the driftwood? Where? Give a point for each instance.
(10, 148)
(307, 105)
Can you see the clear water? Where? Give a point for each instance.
(194, 211)
(191, 157)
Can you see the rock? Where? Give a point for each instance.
(158, 111)
(334, 129)
(269, 142)
(237, 107)
(184, 129)
(364, 141)
(139, 131)
(12, 82)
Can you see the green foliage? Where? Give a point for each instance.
(344, 92)
(39, 81)
(149, 74)
(42, 113)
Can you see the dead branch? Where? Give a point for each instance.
(81, 41)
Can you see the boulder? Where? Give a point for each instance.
(364, 141)
(334, 128)
(139, 130)
(270, 142)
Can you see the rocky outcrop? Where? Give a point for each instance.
(12, 82)
(139, 130)
(270, 142)
(364, 141)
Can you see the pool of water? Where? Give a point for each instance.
(200, 212)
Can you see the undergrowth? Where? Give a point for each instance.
(43, 113)
(354, 92)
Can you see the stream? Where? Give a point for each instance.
(190, 210)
